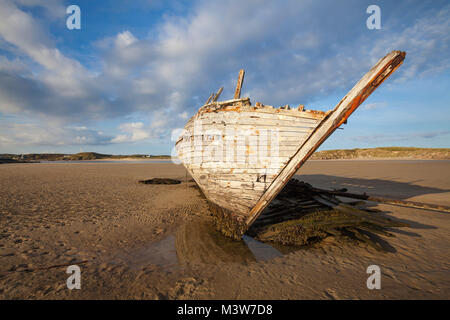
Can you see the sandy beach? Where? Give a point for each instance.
(136, 241)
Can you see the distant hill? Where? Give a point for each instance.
(72, 157)
(10, 160)
(370, 153)
(384, 153)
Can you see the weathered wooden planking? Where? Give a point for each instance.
(231, 165)
(240, 185)
(241, 162)
(227, 176)
(243, 199)
(246, 198)
(248, 134)
(276, 143)
(243, 106)
(211, 137)
(232, 151)
(238, 148)
(251, 197)
(244, 124)
(248, 160)
(233, 127)
(227, 171)
(281, 143)
(245, 113)
(243, 149)
(213, 128)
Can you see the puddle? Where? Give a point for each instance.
(261, 250)
(161, 253)
(198, 243)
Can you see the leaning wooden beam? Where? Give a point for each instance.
(217, 95)
(371, 80)
(209, 99)
(237, 93)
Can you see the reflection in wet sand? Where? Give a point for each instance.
(198, 243)
(261, 250)
(160, 253)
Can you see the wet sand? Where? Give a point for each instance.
(135, 241)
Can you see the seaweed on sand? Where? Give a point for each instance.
(160, 181)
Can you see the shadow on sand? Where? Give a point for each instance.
(379, 187)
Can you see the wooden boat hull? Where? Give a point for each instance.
(241, 156)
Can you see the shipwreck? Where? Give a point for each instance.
(242, 155)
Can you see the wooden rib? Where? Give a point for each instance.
(237, 93)
(209, 99)
(217, 95)
(224, 104)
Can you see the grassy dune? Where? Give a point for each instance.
(384, 153)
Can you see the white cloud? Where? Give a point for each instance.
(184, 115)
(374, 105)
(53, 8)
(135, 131)
(32, 134)
(125, 39)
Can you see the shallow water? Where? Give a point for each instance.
(198, 243)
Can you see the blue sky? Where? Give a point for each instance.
(139, 69)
